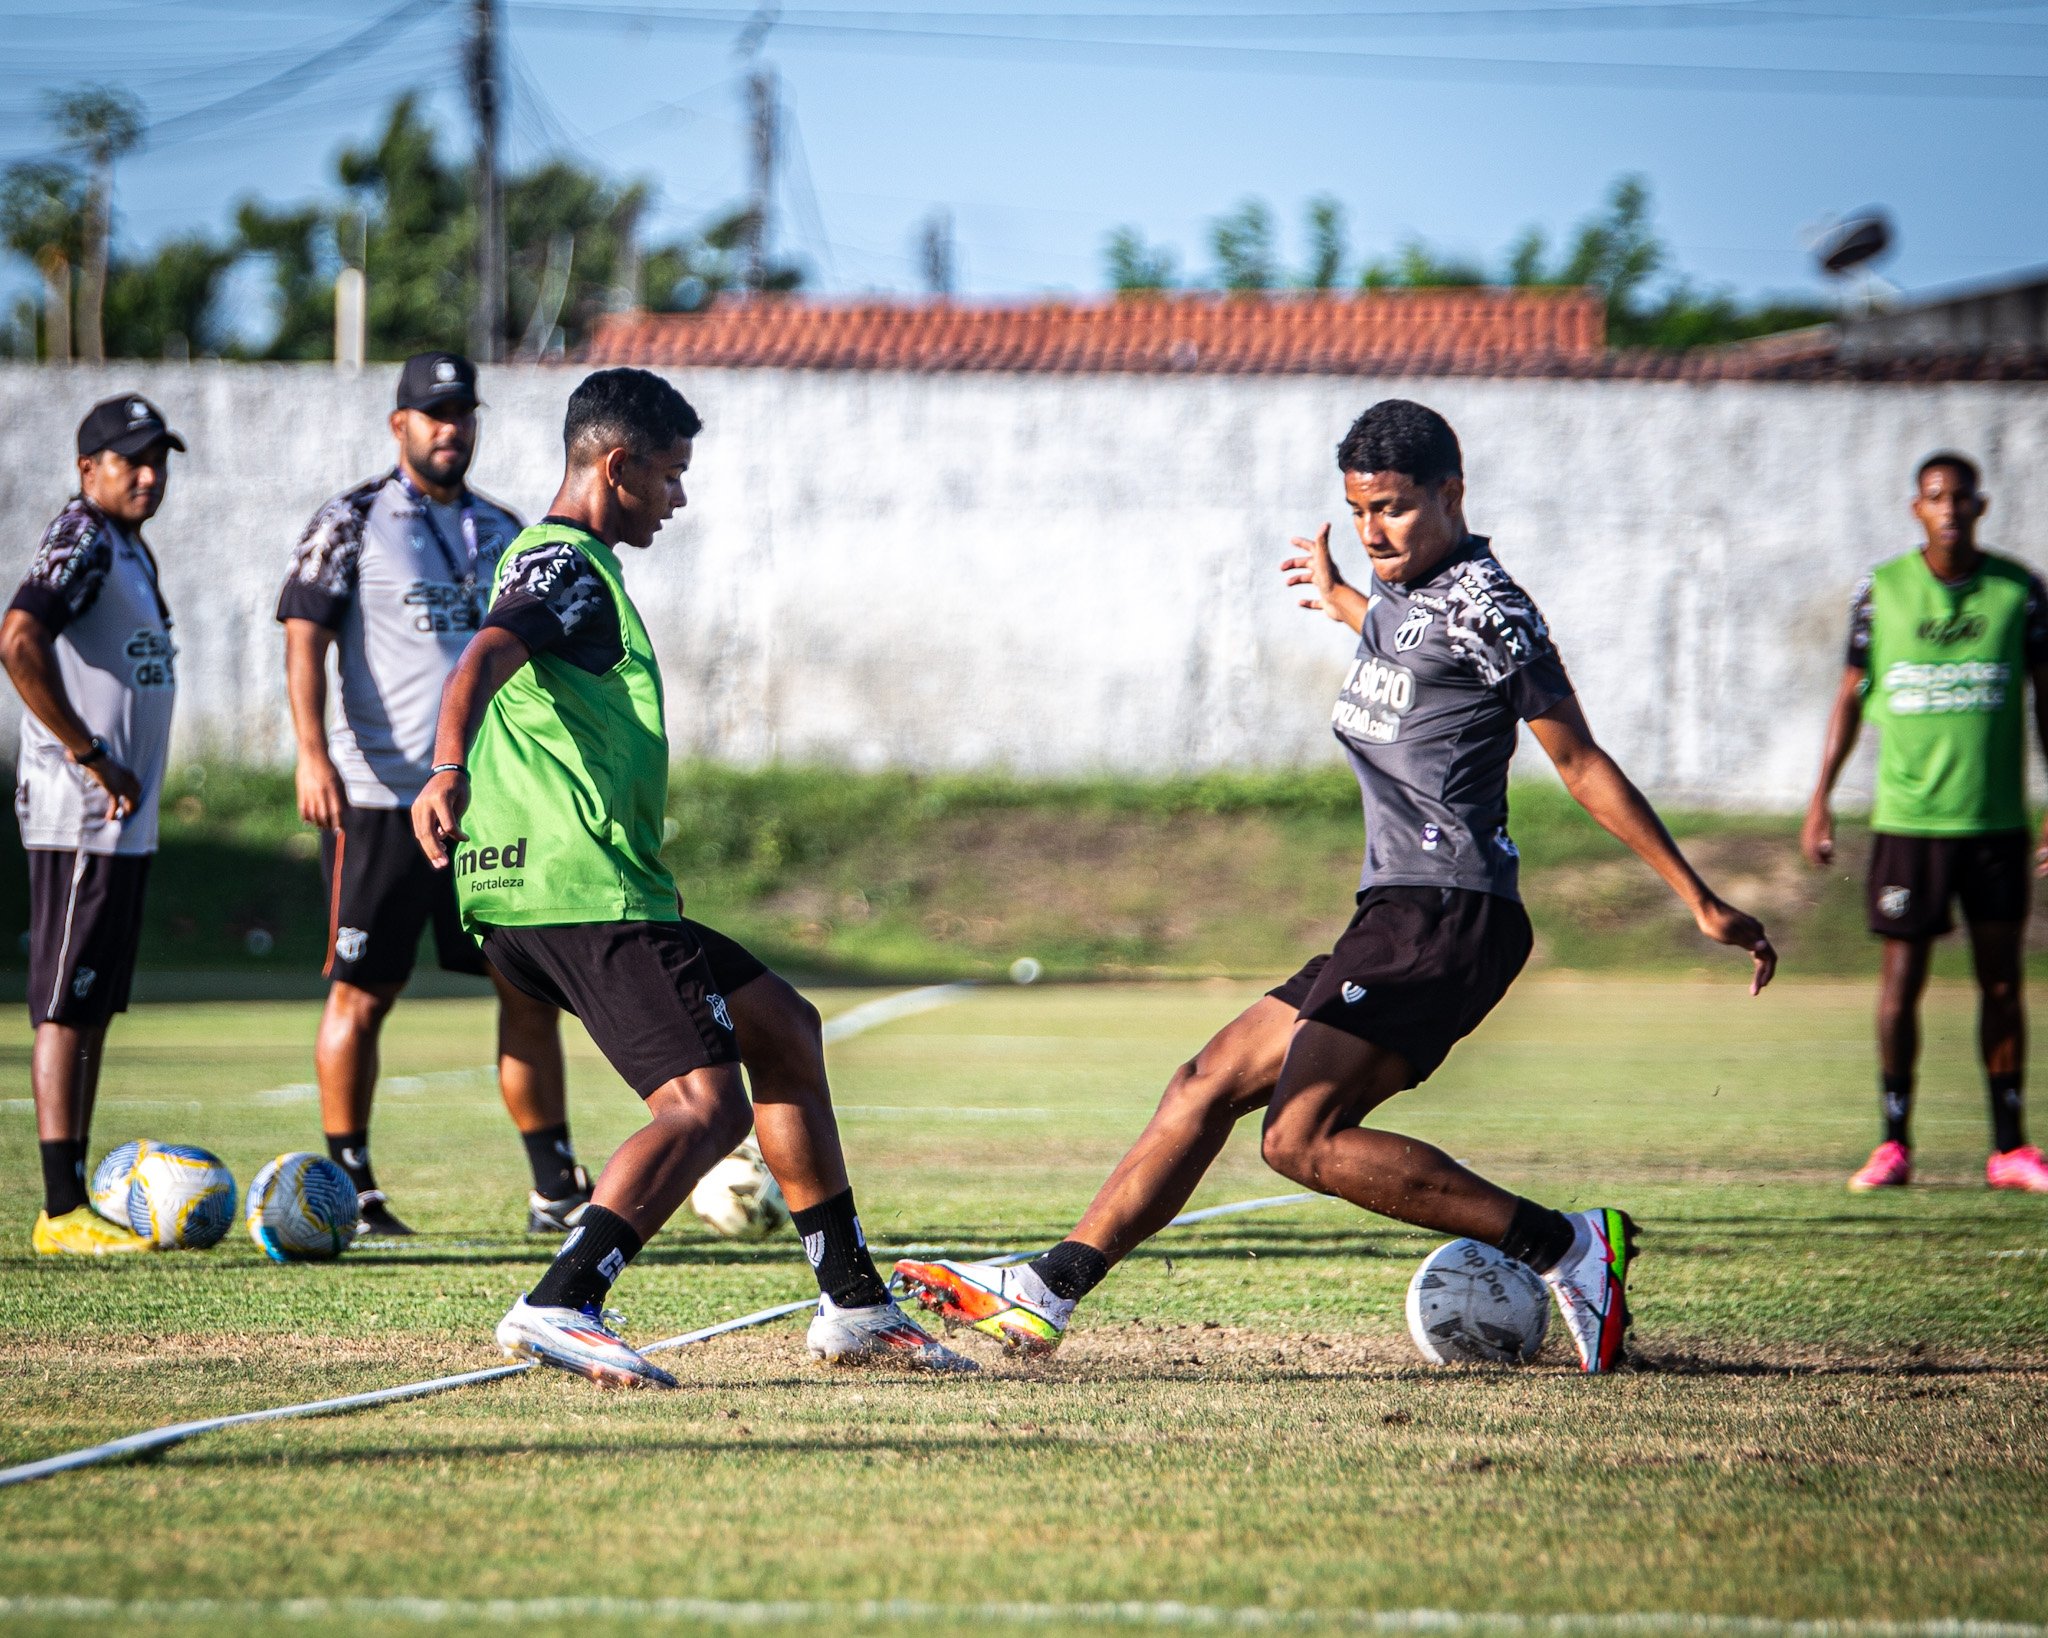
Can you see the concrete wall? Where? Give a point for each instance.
(1058, 574)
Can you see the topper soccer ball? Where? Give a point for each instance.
(1470, 1304)
(179, 1196)
(738, 1198)
(301, 1208)
(110, 1179)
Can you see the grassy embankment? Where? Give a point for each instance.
(886, 877)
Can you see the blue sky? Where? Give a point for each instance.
(1040, 129)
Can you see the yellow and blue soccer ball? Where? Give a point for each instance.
(110, 1179)
(180, 1197)
(302, 1207)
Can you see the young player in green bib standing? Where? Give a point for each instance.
(547, 800)
(1942, 643)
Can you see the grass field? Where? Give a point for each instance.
(1839, 1408)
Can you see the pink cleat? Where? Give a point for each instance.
(1890, 1166)
(2022, 1169)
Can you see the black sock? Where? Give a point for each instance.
(553, 1160)
(838, 1253)
(351, 1152)
(63, 1175)
(595, 1254)
(1070, 1270)
(1896, 1096)
(2006, 1104)
(1537, 1236)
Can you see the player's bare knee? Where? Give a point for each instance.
(1289, 1147)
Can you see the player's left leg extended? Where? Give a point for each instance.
(782, 1044)
(1999, 951)
(1333, 1079)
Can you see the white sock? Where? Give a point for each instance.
(1582, 1239)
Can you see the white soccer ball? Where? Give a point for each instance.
(1470, 1304)
(179, 1196)
(110, 1179)
(739, 1198)
(302, 1207)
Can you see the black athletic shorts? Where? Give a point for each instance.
(381, 893)
(651, 993)
(84, 925)
(1914, 880)
(1416, 970)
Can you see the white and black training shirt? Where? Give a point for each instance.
(93, 586)
(1446, 670)
(400, 580)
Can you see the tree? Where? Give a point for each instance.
(1617, 251)
(1243, 244)
(162, 306)
(102, 123)
(42, 218)
(1414, 266)
(1326, 244)
(409, 220)
(1136, 268)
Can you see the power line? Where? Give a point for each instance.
(1339, 64)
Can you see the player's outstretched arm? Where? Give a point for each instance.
(1817, 834)
(493, 655)
(1334, 595)
(1600, 787)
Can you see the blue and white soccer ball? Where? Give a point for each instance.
(108, 1190)
(1471, 1304)
(301, 1208)
(180, 1197)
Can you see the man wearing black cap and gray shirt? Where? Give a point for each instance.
(87, 643)
(393, 575)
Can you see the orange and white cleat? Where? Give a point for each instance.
(1890, 1166)
(1009, 1304)
(2023, 1169)
(1591, 1286)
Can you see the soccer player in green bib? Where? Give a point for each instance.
(547, 801)
(1942, 645)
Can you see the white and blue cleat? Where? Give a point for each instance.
(580, 1340)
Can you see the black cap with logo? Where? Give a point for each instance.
(437, 381)
(127, 425)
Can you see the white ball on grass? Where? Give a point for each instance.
(739, 1197)
(1472, 1304)
(1026, 970)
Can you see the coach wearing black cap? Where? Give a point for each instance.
(392, 576)
(87, 642)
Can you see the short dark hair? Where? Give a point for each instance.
(626, 408)
(1397, 435)
(1961, 465)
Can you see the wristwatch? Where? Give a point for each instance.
(94, 750)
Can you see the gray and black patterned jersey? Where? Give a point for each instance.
(93, 586)
(400, 582)
(1445, 671)
(555, 603)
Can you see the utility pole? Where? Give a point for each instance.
(761, 124)
(487, 318)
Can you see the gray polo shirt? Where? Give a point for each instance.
(401, 582)
(1446, 669)
(93, 586)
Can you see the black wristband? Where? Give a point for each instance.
(95, 750)
(448, 767)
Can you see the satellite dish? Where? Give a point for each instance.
(1853, 241)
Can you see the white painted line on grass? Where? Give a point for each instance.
(887, 1009)
(831, 1613)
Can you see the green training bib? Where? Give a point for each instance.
(1947, 690)
(568, 781)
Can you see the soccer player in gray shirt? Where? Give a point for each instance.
(1452, 658)
(392, 577)
(87, 643)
